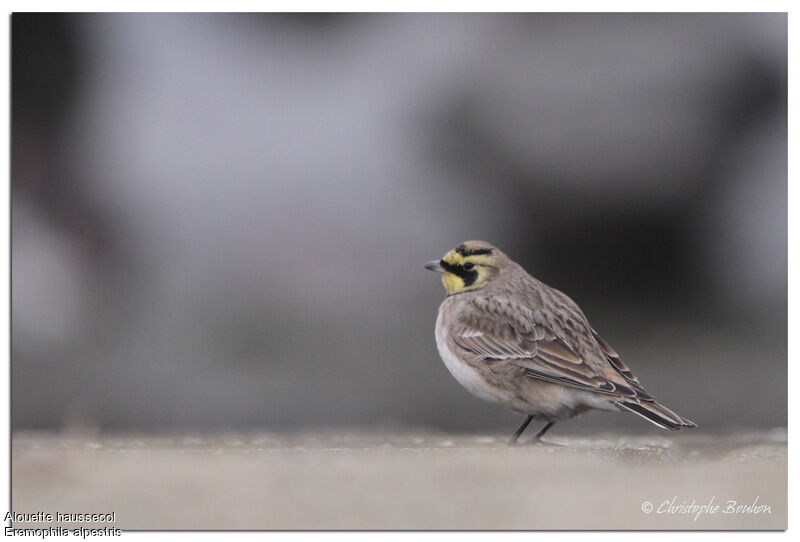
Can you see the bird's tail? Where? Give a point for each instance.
(655, 413)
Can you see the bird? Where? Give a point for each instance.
(510, 339)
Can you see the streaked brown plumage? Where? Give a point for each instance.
(511, 339)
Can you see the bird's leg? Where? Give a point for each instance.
(519, 431)
(537, 439)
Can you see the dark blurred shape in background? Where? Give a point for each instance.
(220, 221)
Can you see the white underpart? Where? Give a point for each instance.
(461, 371)
(557, 403)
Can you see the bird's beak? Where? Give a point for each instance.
(434, 266)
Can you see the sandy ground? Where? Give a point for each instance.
(405, 479)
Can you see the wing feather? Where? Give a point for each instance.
(613, 358)
(541, 354)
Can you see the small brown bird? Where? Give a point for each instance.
(511, 339)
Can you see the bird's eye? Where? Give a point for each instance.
(468, 266)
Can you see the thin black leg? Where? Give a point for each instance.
(542, 431)
(522, 428)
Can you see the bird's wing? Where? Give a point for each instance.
(613, 358)
(509, 332)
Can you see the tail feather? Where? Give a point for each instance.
(656, 413)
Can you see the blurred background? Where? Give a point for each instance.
(219, 222)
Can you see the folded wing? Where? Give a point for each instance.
(541, 354)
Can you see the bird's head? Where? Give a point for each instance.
(472, 265)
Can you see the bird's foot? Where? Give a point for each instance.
(545, 443)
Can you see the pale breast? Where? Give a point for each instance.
(529, 396)
(466, 375)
